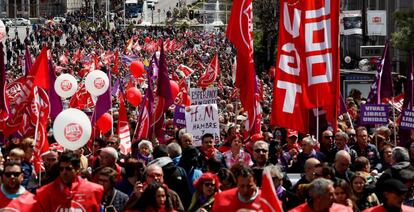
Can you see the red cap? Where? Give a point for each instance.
(291, 133)
(56, 146)
(257, 137)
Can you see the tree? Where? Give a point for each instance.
(404, 38)
(266, 16)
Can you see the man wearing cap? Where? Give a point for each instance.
(292, 140)
(394, 193)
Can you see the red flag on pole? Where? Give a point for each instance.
(307, 63)
(211, 73)
(123, 127)
(40, 70)
(268, 197)
(240, 33)
(40, 109)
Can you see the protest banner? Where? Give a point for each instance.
(179, 116)
(374, 114)
(202, 119)
(199, 96)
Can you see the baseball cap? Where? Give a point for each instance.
(395, 186)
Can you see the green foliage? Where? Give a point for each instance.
(404, 37)
(183, 12)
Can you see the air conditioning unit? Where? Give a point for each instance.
(371, 51)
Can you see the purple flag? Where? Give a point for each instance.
(4, 110)
(55, 100)
(104, 102)
(28, 63)
(163, 83)
(128, 59)
(115, 88)
(382, 87)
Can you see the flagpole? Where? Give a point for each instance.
(36, 133)
(394, 123)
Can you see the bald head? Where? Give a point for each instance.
(342, 161)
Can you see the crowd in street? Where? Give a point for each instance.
(349, 168)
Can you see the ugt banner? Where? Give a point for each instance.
(307, 63)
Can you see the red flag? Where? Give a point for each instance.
(123, 127)
(240, 33)
(77, 56)
(40, 70)
(82, 98)
(4, 107)
(115, 68)
(184, 71)
(307, 63)
(268, 197)
(211, 73)
(143, 131)
(40, 109)
(96, 61)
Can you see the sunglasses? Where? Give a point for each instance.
(260, 150)
(67, 168)
(209, 184)
(154, 175)
(14, 174)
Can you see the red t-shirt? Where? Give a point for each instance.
(25, 202)
(228, 201)
(82, 196)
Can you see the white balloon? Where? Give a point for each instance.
(2, 31)
(157, 54)
(72, 129)
(347, 59)
(96, 82)
(66, 85)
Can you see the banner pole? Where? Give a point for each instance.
(394, 122)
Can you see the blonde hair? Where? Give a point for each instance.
(17, 152)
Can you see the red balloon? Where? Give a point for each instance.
(147, 40)
(134, 96)
(174, 88)
(105, 123)
(137, 69)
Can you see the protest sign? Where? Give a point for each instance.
(179, 116)
(199, 96)
(407, 119)
(202, 119)
(374, 114)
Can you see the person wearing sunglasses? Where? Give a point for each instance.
(153, 174)
(13, 195)
(206, 187)
(69, 192)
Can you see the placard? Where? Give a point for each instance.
(202, 119)
(199, 96)
(407, 119)
(374, 114)
(179, 116)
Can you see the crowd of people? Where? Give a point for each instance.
(351, 168)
